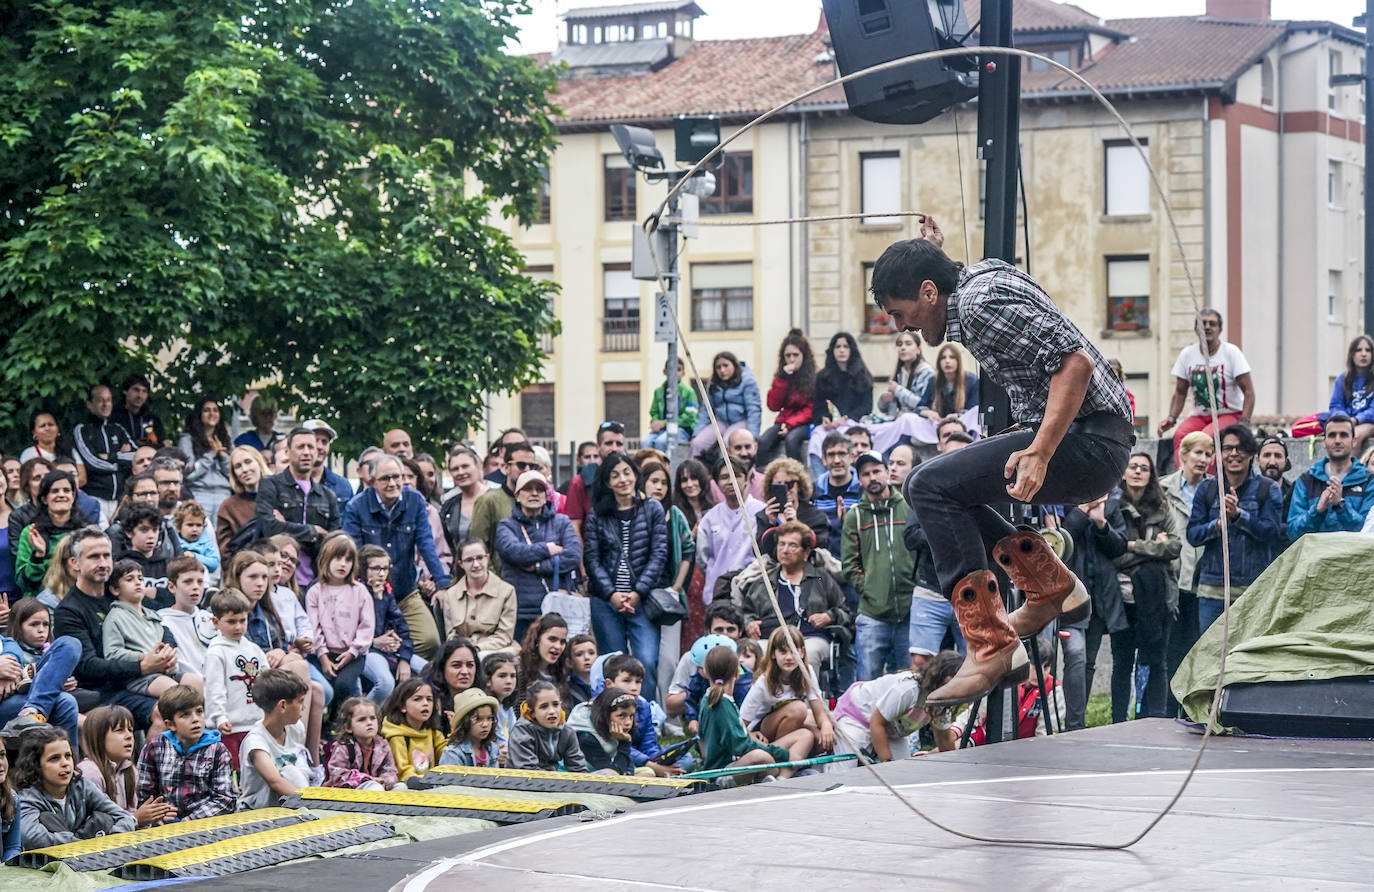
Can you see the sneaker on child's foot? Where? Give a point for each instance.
(34, 714)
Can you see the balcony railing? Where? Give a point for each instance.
(620, 334)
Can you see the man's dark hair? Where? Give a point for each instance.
(135, 514)
(1338, 418)
(130, 380)
(518, 446)
(136, 479)
(90, 391)
(724, 610)
(740, 468)
(585, 444)
(959, 437)
(902, 268)
(614, 427)
(626, 663)
(173, 453)
(299, 432)
(833, 439)
(859, 429)
(1246, 440)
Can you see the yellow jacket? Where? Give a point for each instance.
(415, 751)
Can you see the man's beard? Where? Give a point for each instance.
(1273, 473)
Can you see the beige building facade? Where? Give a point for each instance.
(1260, 160)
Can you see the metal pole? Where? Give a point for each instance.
(999, 124)
(670, 407)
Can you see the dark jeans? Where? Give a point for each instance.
(1123, 664)
(1150, 622)
(345, 683)
(44, 694)
(1181, 640)
(951, 493)
(794, 441)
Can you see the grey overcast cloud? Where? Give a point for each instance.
(765, 18)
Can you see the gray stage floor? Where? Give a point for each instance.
(1259, 814)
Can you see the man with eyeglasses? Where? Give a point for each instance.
(393, 516)
(495, 505)
(839, 489)
(610, 439)
(1230, 373)
(1253, 503)
(508, 436)
(169, 478)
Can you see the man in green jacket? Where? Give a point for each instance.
(878, 567)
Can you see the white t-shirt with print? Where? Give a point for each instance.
(291, 759)
(1227, 364)
(758, 703)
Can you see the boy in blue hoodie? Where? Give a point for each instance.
(187, 765)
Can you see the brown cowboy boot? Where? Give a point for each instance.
(996, 657)
(1051, 589)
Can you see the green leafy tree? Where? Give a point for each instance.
(229, 192)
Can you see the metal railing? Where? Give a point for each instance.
(619, 334)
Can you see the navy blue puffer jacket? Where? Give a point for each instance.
(522, 541)
(648, 548)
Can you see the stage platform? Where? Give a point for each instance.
(1262, 814)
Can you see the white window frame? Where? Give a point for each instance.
(1127, 194)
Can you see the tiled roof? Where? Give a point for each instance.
(1032, 16)
(734, 78)
(1176, 52)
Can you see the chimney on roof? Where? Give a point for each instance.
(1239, 10)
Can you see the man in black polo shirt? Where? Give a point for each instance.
(1069, 445)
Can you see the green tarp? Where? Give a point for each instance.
(1307, 617)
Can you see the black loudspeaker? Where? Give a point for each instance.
(1337, 707)
(867, 32)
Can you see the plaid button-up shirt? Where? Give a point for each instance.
(1020, 338)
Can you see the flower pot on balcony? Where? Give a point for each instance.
(1123, 325)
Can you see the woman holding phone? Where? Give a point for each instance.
(788, 488)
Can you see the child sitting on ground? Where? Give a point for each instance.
(786, 696)
(186, 765)
(233, 664)
(540, 739)
(879, 716)
(724, 742)
(107, 739)
(700, 683)
(627, 673)
(604, 728)
(411, 728)
(58, 805)
(578, 660)
(499, 670)
(750, 656)
(191, 626)
(274, 762)
(131, 629)
(196, 536)
(360, 758)
(473, 742)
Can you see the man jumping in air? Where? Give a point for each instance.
(1069, 445)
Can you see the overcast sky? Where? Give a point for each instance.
(764, 18)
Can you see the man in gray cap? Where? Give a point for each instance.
(324, 435)
(879, 567)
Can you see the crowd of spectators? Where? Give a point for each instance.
(205, 624)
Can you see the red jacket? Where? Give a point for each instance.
(794, 409)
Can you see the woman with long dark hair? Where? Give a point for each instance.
(734, 396)
(1353, 393)
(655, 481)
(58, 517)
(207, 442)
(693, 497)
(792, 396)
(951, 391)
(626, 546)
(844, 388)
(909, 379)
(455, 668)
(1151, 597)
